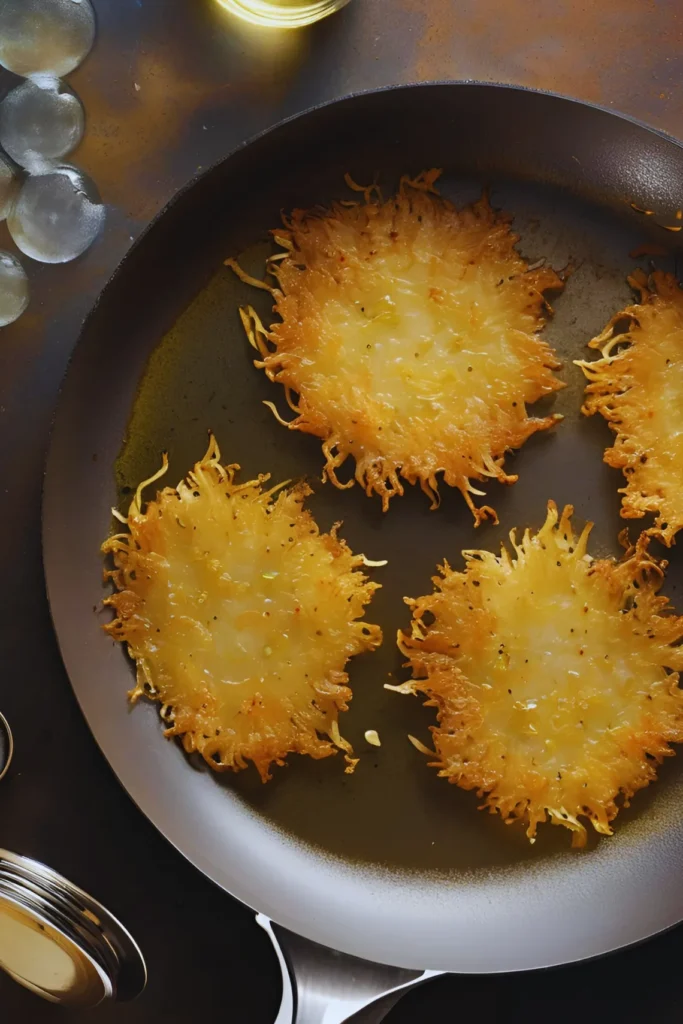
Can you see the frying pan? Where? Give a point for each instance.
(390, 866)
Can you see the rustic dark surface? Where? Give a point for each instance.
(206, 83)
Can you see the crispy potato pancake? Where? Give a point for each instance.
(554, 676)
(240, 615)
(408, 339)
(637, 386)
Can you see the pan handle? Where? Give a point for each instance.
(322, 986)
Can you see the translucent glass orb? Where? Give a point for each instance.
(13, 288)
(57, 215)
(40, 123)
(45, 37)
(8, 187)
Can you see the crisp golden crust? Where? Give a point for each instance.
(240, 615)
(555, 676)
(637, 386)
(408, 339)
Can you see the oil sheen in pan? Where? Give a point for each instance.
(393, 810)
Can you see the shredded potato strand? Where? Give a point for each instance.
(240, 616)
(554, 676)
(408, 331)
(637, 386)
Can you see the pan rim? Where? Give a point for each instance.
(206, 867)
(257, 136)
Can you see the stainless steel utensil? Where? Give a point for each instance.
(59, 942)
(6, 746)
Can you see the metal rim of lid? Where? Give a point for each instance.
(101, 938)
(36, 903)
(4, 728)
(88, 939)
(43, 889)
(88, 935)
(38, 908)
(95, 965)
(132, 976)
(89, 985)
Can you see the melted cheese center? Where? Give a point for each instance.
(565, 669)
(249, 602)
(418, 344)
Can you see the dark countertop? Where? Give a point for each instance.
(204, 83)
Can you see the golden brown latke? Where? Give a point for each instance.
(637, 387)
(555, 676)
(240, 616)
(408, 338)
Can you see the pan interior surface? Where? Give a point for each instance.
(390, 863)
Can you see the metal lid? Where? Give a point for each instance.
(59, 942)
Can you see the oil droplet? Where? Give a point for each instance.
(45, 37)
(525, 705)
(57, 215)
(40, 122)
(8, 187)
(13, 291)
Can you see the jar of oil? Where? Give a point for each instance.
(282, 13)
